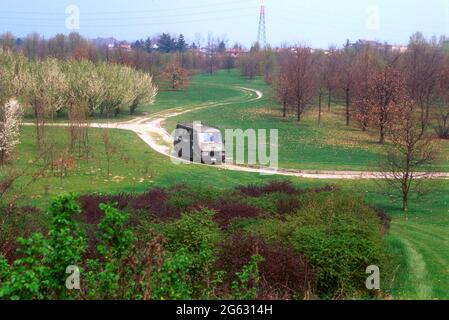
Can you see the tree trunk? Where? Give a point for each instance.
(329, 100)
(347, 108)
(299, 112)
(382, 134)
(405, 203)
(319, 107)
(285, 109)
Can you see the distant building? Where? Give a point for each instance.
(125, 46)
(361, 45)
(399, 48)
(235, 52)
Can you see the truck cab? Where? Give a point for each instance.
(199, 143)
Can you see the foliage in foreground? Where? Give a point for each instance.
(284, 244)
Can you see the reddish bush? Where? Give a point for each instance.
(281, 187)
(90, 206)
(155, 202)
(284, 272)
(273, 187)
(230, 211)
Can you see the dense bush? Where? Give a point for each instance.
(193, 240)
(227, 212)
(284, 273)
(15, 222)
(39, 272)
(338, 234)
(273, 187)
(265, 242)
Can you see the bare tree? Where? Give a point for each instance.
(212, 54)
(109, 149)
(322, 79)
(421, 65)
(283, 92)
(386, 92)
(302, 77)
(347, 77)
(366, 64)
(411, 151)
(331, 74)
(442, 101)
(8, 41)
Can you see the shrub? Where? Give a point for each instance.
(155, 203)
(197, 236)
(107, 278)
(228, 212)
(174, 277)
(338, 234)
(284, 272)
(39, 273)
(341, 257)
(273, 187)
(90, 206)
(245, 287)
(265, 205)
(15, 222)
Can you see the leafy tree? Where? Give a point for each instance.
(176, 76)
(45, 93)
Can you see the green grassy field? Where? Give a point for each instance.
(421, 244)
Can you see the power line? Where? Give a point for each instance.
(137, 18)
(124, 12)
(143, 24)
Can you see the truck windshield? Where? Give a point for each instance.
(211, 137)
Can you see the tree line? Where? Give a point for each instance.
(150, 55)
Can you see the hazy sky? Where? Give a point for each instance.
(314, 22)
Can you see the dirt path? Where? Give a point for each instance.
(150, 130)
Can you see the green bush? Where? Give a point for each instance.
(109, 278)
(341, 236)
(341, 258)
(191, 231)
(39, 273)
(245, 288)
(265, 204)
(192, 238)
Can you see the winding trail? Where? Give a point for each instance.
(150, 130)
